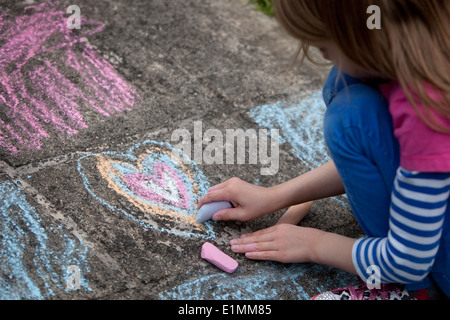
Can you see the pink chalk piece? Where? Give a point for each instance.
(221, 260)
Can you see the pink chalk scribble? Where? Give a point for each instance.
(164, 186)
(37, 53)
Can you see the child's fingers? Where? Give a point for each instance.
(251, 235)
(214, 196)
(225, 214)
(263, 255)
(264, 235)
(218, 192)
(235, 214)
(257, 246)
(254, 244)
(217, 187)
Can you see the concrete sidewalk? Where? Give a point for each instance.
(92, 204)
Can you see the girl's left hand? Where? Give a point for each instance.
(283, 243)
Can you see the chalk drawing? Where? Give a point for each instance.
(34, 257)
(37, 53)
(158, 192)
(300, 122)
(270, 281)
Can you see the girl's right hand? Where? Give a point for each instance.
(250, 201)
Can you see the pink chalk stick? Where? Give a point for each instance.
(218, 258)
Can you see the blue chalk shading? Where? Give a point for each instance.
(130, 156)
(294, 282)
(32, 266)
(300, 122)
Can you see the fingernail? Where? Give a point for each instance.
(234, 241)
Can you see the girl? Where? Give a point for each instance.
(387, 127)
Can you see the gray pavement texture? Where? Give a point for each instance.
(92, 205)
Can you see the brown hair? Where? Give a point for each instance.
(412, 46)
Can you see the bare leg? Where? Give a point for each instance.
(295, 214)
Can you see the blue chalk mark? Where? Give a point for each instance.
(30, 269)
(297, 281)
(130, 156)
(300, 122)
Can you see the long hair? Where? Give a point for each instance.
(412, 46)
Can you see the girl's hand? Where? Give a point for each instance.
(283, 243)
(287, 243)
(250, 201)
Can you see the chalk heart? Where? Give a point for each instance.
(164, 186)
(149, 179)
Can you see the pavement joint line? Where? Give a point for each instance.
(67, 222)
(34, 167)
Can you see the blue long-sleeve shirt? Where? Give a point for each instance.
(417, 213)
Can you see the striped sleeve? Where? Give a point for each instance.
(417, 213)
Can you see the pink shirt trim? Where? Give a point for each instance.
(421, 148)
